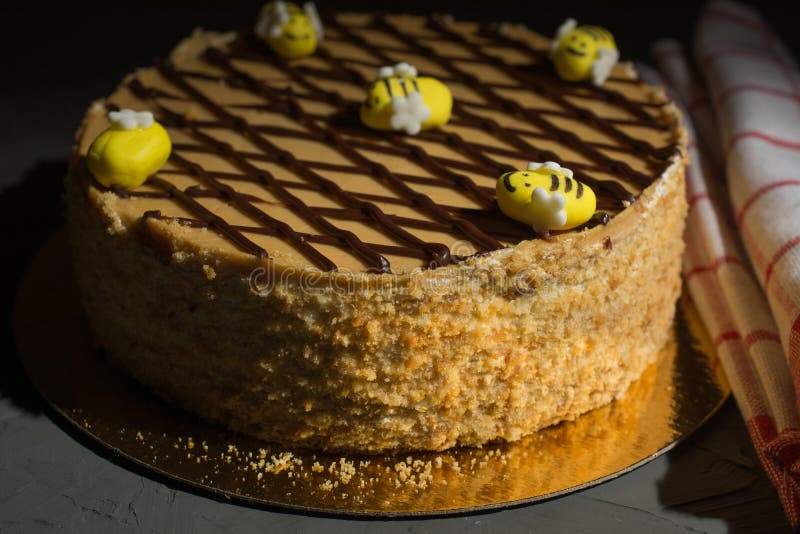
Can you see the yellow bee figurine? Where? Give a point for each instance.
(290, 31)
(131, 150)
(400, 100)
(583, 52)
(546, 196)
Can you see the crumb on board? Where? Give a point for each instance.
(330, 475)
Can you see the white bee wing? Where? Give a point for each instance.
(549, 210)
(313, 15)
(275, 31)
(387, 71)
(557, 201)
(559, 219)
(400, 104)
(539, 198)
(566, 27)
(413, 128)
(552, 165)
(144, 119)
(539, 195)
(406, 69)
(124, 119)
(420, 111)
(601, 68)
(408, 113)
(262, 29)
(400, 113)
(281, 13)
(115, 116)
(271, 20)
(532, 165)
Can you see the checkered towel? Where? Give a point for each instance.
(742, 265)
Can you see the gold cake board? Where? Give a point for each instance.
(673, 398)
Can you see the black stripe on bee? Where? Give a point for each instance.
(388, 86)
(403, 82)
(414, 83)
(567, 185)
(554, 183)
(579, 191)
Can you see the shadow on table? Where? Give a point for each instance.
(716, 474)
(30, 211)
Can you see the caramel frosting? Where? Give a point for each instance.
(271, 164)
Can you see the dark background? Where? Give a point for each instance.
(58, 58)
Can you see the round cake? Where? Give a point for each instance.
(295, 275)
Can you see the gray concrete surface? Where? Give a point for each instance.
(54, 481)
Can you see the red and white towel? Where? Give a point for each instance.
(742, 265)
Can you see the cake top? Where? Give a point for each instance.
(270, 160)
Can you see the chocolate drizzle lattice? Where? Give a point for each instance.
(617, 165)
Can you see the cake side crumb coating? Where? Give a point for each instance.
(481, 358)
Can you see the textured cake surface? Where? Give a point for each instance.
(301, 278)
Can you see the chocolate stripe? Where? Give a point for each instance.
(615, 166)
(279, 228)
(439, 253)
(612, 188)
(211, 219)
(591, 91)
(377, 262)
(485, 227)
(503, 228)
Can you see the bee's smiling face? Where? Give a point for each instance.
(297, 38)
(377, 96)
(580, 45)
(298, 29)
(516, 187)
(575, 55)
(376, 110)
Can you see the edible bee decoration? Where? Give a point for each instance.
(290, 31)
(133, 148)
(545, 196)
(400, 100)
(583, 52)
